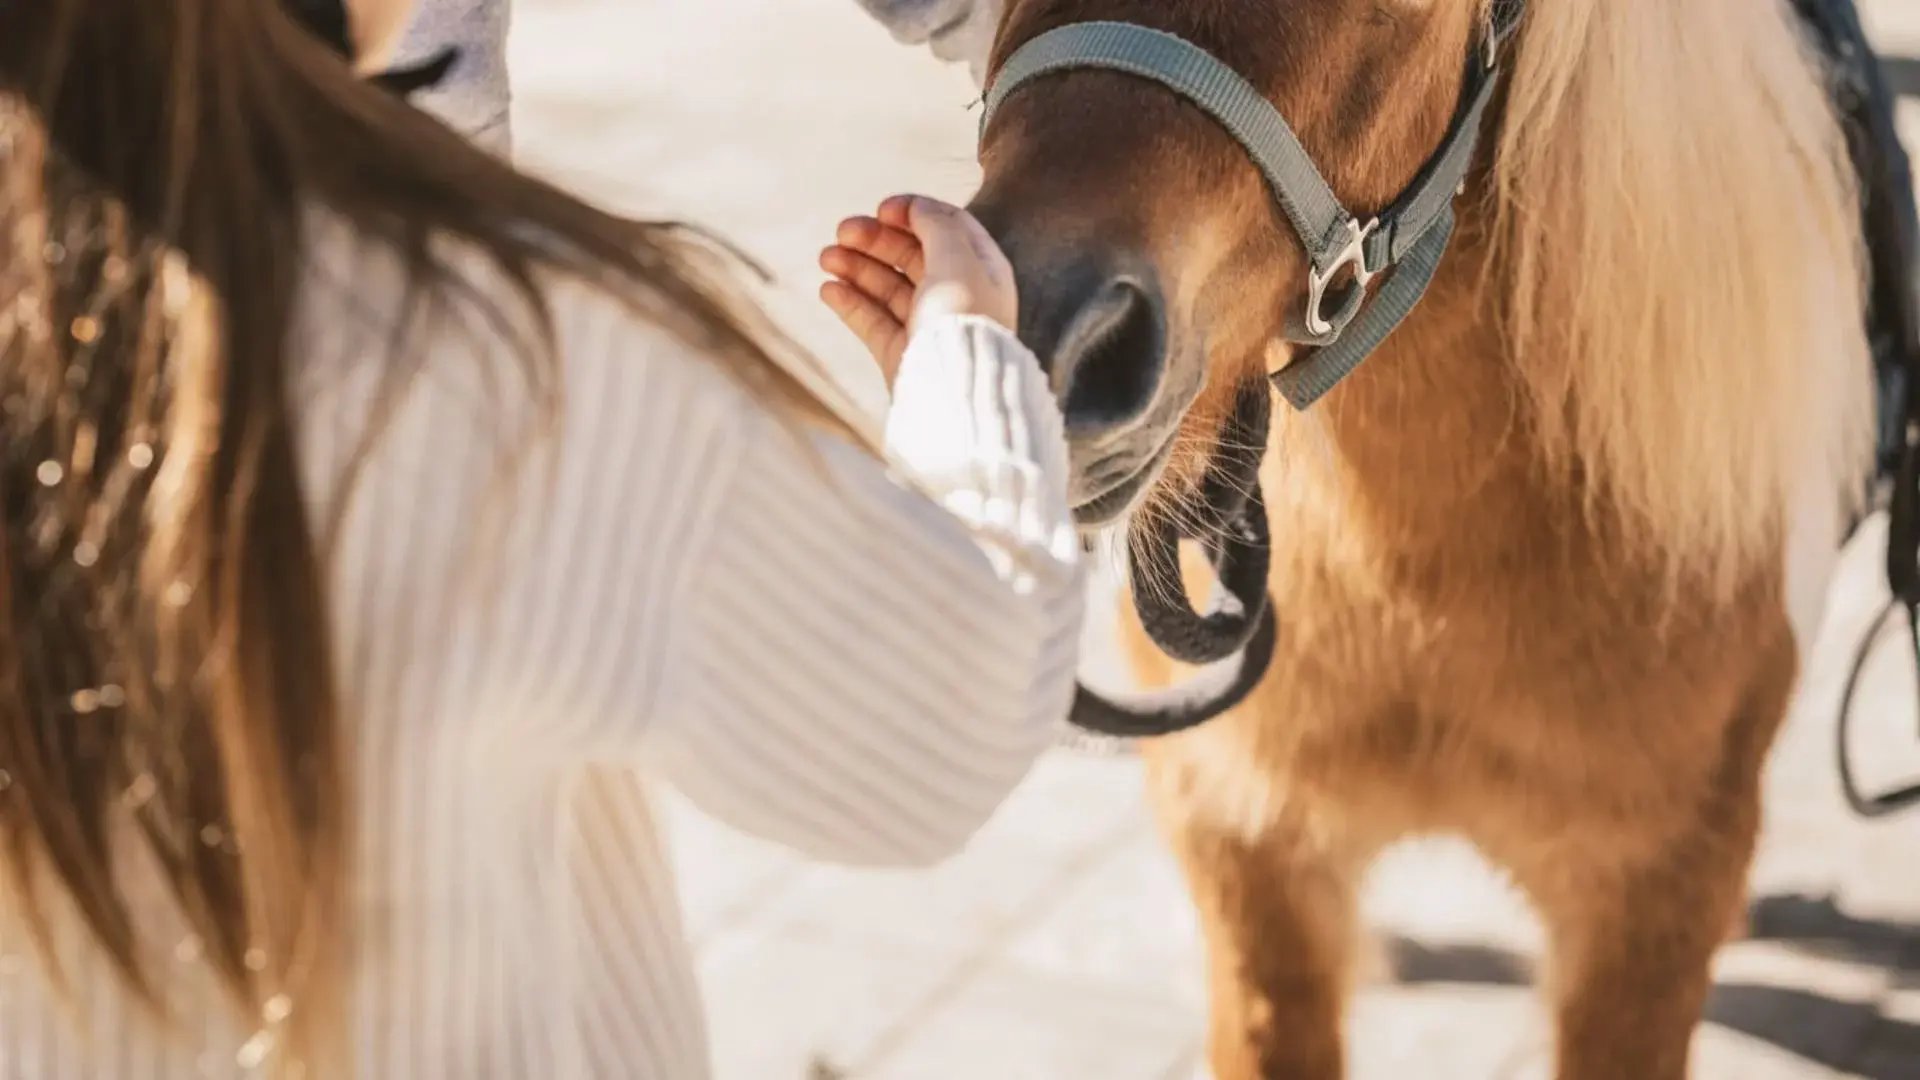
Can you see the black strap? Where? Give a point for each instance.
(1235, 638)
(1220, 687)
(1231, 524)
(1866, 107)
(1891, 802)
(1903, 576)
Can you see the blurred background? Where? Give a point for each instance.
(1061, 944)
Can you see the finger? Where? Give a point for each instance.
(893, 246)
(926, 218)
(898, 212)
(873, 324)
(873, 277)
(946, 229)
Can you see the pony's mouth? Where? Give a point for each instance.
(1112, 488)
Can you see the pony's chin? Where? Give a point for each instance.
(1117, 501)
(1112, 507)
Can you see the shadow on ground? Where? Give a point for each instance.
(1814, 1026)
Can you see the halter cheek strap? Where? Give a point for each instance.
(1408, 238)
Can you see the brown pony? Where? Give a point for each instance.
(1545, 563)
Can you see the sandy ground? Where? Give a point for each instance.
(1060, 944)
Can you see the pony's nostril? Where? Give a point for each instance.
(1108, 364)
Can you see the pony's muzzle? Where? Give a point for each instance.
(1101, 335)
(1108, 356)
(1093, 312)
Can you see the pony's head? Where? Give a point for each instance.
(1659, 245)
(1157, 272)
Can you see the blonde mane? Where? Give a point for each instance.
(1678, 218)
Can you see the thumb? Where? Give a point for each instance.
(932, 215)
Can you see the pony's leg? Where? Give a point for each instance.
(1633, 920)
(1629, 957)
(1277, 910)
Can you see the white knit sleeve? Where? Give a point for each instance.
(871, 671)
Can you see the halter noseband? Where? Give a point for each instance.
(1342, 326)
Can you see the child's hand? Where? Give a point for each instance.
(917, 258)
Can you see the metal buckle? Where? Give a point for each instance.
(1353, 254)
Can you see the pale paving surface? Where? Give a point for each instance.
(1060, 946)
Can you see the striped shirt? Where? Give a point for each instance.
(542, 621)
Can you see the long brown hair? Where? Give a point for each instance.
(165, 668)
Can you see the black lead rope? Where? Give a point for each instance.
(1231, 525)
(1237, 635)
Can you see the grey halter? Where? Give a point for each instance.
(1407, 238)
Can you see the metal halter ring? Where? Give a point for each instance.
(1352, 255)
